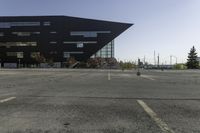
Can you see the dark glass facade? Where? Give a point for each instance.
(106, 52)
(56, 38)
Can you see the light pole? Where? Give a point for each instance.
(158, 61)
(138, 72)
(170, 59)
(174, 57)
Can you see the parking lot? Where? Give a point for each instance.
(99, 101)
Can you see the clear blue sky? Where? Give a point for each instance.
(166, 26)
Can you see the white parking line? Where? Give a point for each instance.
(163, 126)
(147, 77)
(7, 99)
(109, 76)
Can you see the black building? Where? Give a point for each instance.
(24, 39)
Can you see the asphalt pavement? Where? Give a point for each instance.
(99, 101)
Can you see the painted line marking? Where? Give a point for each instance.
(147, 77)
(109, 76)
(163, 126)
(7, 99)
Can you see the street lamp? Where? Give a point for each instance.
(138, 72)
(171, 59)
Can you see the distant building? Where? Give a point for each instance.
(58, 38)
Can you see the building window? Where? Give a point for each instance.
(26, 44)
(88, 33)
(53, 42)
(5, 25)
(16, 24)
(106, 52)
(35, 54)
(10, 44)
(53, 32)
(47, 23)
(24, 33)
(37, 32)
(53, 52)
(80, 45)
(25, 23)
(20, 54)
(15, 54)
(84, 34)
(1, 34)
(11, 54)
(66, 54)
(76, 42)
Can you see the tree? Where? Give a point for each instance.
(192, 62)
(127, 65)
(180, 66)
(39, 58)
(70, 61)
(50, 62)
(92, 63)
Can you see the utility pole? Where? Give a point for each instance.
(174, 57)
(158, 60)
(170, 59)
(138, 72)
(176, 60)
(154, 57)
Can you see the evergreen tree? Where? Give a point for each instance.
(192, 62)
